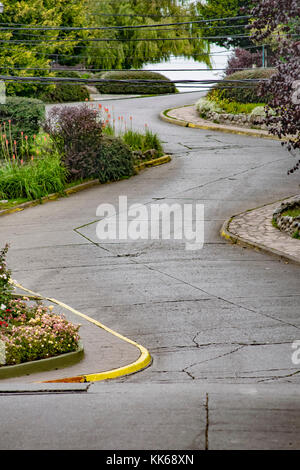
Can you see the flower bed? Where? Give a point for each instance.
(252, 116)
(30, 331)
(287, 218)
(77, 144)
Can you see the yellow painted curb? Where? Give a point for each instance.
(141, 363)
(180, 122)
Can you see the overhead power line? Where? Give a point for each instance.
(137, 81)
(101, 28)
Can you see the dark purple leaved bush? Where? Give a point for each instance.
(280, 18)
(77, 133)
(245, 59)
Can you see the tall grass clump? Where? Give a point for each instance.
(32, 180)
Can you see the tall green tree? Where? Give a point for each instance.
(21, 50)
(211, 9)
(132, 48)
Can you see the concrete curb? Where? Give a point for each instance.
(229, 236)
(144, 360)
(80, 187)
(42, 365)
(216, 127)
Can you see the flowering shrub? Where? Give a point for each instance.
(30, 332)
(34, 332)
(5, 287)
(205, 106)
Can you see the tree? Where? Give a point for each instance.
(211, 9)
(128, 48)
(281, 18)
(21, 49)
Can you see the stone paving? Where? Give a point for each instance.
(256, 227)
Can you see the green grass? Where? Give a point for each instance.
(233, 107)
(295, 212)
(138, 141)
(32, 180)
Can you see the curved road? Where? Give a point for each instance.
(219, 322)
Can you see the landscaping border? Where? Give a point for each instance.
(80, 187)
(42, 365)
(144, 360)
(237, 239)
(213, 126)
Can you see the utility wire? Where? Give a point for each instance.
(100, 28)
(137, 81)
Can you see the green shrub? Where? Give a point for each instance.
(241, 92)
(66, 92)
(25, 115)
(76, 131)
(114, 161)
(5, 286)
(32, 180)
(33, 332)
(205, 106)
(132, 88)
(233, 107)
(260, 111)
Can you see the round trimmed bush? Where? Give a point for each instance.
(66, 92)
(124, 88)
(241, 92)
(25, 114)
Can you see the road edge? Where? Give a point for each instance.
(216, 127)
(144, 360)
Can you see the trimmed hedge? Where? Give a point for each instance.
(25, 114)
(131, 88)
(250, 93)
(66, 92)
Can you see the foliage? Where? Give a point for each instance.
(211, 9)
(25, 50)
(114, 160)
(233, 107)
(138, 141)
(5, 286)
(21, 117)
(34, 332)
(77, 132)
(130, 51)
(34, 179)
(281, 18)
(205, 106)
(135, 88)
(242, 92)
(66, 92)
(260, 111)
(243, 59)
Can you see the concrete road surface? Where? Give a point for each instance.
(219, 322)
